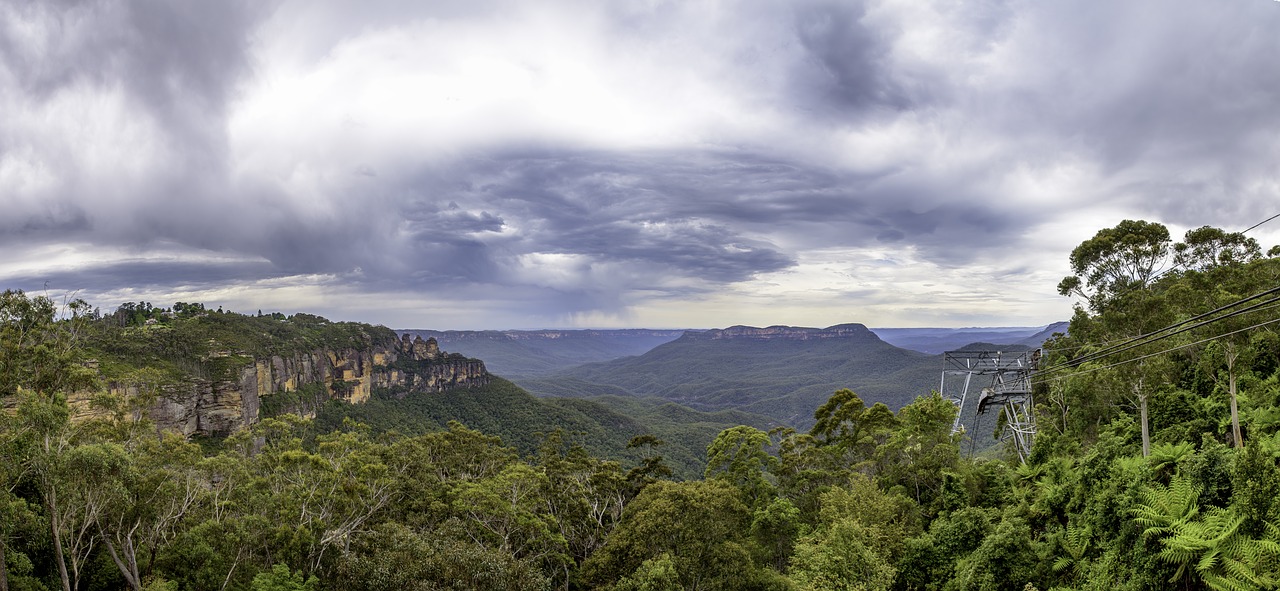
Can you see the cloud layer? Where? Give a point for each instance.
(505, 164)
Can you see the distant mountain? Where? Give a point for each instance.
(939, 340)
(781, 372)
(517, 354)
(1038, 339)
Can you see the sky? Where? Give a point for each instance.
(481, 164)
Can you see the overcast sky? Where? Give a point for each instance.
(536, 164)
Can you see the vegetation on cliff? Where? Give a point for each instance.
(1155, 466)
(189, 340)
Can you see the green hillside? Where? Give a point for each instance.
(501, 408)
(782, 377)
(167, 346)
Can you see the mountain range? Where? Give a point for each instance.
(516, 354)
(939, 340)
(776, 374)
(780, 372)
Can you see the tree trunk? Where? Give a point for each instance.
(1231, 387)
(1235, 410)
(50, 505)
(128, 567)
(1146, 431)
(1142, 412)
(4, 568)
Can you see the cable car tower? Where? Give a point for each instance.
(1005, 381)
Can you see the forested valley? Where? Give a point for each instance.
(1155, 465)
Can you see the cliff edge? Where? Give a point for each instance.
(231, 391)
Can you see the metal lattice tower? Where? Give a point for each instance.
(1007, 379)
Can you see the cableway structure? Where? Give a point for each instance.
(1005, 382)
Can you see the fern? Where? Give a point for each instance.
(1223, 558)
(1165, 508)
(1076, 545)
(1169, 454)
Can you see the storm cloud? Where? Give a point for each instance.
(515, 165)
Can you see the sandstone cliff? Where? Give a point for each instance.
(234, 397)
(839, 331)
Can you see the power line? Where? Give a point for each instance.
(1124, 346)
(1134, 342)
(1273, 303)
(1260, 223)
(1169, 350)
(1156, 336)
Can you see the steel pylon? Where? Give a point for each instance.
(1005, 381)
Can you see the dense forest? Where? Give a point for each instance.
(1154, 467)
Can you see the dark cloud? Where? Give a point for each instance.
(912, 129)
(708, 214)
(146, 275)
(171, 68)
(609, 208)
(179, 58)
(844, 69)
(1171, 94)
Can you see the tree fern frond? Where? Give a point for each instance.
(1208, 561)
(1168, 454)
(1221, 583)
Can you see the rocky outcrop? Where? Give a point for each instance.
(232, 398)
(839, 331)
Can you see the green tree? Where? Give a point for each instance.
(738, 456)
(806, 469)
(1206, 248)
(888, 518)
(702, 527)
(49, 455)
(651, 466)
(584, 496)
(152, 496)
(279, 578)
(840, 558)
(654, 574)
(19, 518)
(319, 497)
(1126, 257)
(39, 352)
(1005, 561)
(509, 509)
(922, 447)
(392, 557)
(845, 422)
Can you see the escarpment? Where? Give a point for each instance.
(235, 389)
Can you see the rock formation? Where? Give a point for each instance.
(233, 399)
(839, 331)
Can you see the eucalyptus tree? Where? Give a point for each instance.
(738, 456)
(695, 532)
(1206, 248)
(40, 345)
(845, 422)
(1115, 260)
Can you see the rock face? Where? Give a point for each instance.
(234, 399)
(839, 331)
